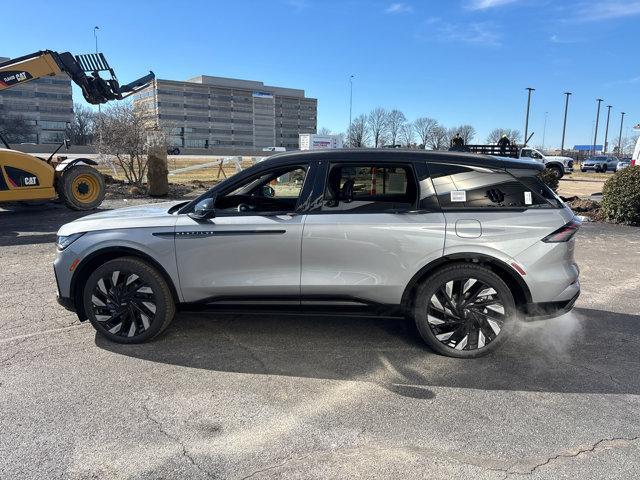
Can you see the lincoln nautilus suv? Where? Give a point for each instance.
(464, 245)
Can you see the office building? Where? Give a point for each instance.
(217, 112)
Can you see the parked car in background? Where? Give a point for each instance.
(623, 163)
(465, 245)
(600, 163)
(173, 150)
(274, 149)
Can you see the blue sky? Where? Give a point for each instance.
(459, 61)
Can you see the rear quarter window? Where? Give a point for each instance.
(471, 187)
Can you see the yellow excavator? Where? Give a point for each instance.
(27, 178)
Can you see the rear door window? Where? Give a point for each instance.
(370, 188)
(471, 187)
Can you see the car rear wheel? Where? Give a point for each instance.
(464, 311)
(128, 301)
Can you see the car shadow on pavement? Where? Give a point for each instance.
(589, 351)
(34, 224)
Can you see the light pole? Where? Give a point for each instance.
(564, 126)
(606, 130)
(350, 104)
(620, 135)
(595, 135)
(95, 35)
(526, 122)
(544, 129)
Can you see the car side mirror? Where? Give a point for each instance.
(204, 210)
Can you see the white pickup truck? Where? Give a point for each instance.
(557, 164)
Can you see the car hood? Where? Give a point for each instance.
(559, 158)
(141, 216)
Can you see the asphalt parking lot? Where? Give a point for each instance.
(315, 397)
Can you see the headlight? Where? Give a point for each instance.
(64, 242)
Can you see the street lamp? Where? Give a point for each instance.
(595, 135)
(606, 130)
(526, 123)
(564, 126)
(544, 129)
(350, 104)
(622, 114)
(95, 35)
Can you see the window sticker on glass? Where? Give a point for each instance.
(528, 200)
(458, 195)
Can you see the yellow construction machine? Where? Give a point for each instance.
(25, 177)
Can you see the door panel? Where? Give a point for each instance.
(239, 256)
(370, 256)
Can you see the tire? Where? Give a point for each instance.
(583, 170)
(81, 187)
(603, 169)
(125, 314)
(479, 327)
(557, 171)
(597, 169)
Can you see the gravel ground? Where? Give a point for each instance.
(222, 396)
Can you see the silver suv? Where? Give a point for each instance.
(464, 244)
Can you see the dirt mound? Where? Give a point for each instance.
(586, 207)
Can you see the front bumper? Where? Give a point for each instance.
(67, 303)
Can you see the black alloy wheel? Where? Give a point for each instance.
(123, 303)
(465, 314)
(128, 301)
(464, 311)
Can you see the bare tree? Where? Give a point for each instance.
(467, 132)
(438, 139)
(14, 128)
(80, 130)
(497, 133)
(424, 127)
(377, 122)
(627, 145)
(358, 134)
(395, 122)
(126, 136)
(324, 131)
(407, 135)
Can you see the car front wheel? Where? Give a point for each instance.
(128, 301)
(464, 311)
(557, 171)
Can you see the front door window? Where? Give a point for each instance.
(272, 192)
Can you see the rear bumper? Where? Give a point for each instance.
(546, 310)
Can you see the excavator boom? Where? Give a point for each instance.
(84, 70)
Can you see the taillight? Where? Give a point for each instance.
(564, 233)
